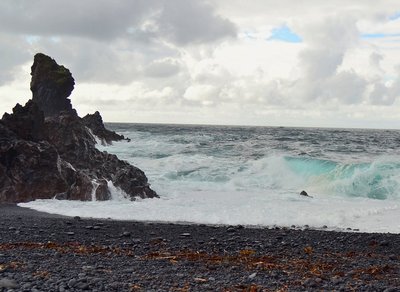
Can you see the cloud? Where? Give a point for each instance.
(380, 95)
(91, 62)
(203, 93)
(346, 86)
(375, 60)
(394, 16)
(177, 21)
(14, 54)
(98, 19)
(321, 76)
(162, 68)
(103, 41)
(385, 93)
(184, 22)
(298, 59)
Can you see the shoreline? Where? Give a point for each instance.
(51, 252)
(260, 226)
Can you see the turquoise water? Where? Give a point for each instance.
(355, 163)
(253, 176)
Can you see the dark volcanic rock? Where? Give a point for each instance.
(28, 170)
(51, 84)
(95, 123)
(47, 151)
(26, 121)
(303, 193)
(76, 146)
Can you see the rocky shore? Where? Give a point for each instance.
(48, 151)
(43, 252)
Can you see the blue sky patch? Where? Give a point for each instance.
(32, 39)
(379, 35)
(284, 34)
(394, 16)
(373, 35)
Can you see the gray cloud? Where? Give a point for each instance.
(383, 94)
(98, 19)
(380, 95)
(108, 41)
(91, 62)
(346, 86)
(179, 21)
(13, 53)
(328, 41)
(162, 68)
(194, 21)
(320, 63)
(375, 60)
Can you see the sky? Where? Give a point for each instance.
(302, 63)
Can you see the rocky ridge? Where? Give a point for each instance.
(47, 150)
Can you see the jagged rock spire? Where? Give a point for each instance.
(51, 85)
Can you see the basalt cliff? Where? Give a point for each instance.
(48, 151)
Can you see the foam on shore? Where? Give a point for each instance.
(366, 215)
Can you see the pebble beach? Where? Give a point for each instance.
(44, 252)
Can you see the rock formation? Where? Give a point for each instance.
(95, 123)
(51, 84)
(47, 151)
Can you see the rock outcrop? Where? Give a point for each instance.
(47, 151)
(51, 85)
(95, 123)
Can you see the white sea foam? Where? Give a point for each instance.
(240, 208)
(228, 176)
(116, 193)
(95, 185)
(96, 138)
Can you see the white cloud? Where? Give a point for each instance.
(201, 93)
(212, 61)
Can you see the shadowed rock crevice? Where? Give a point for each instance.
(47, 151)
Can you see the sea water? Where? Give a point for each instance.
(254, 175)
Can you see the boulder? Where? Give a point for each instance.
(305, 194)
(48, 151)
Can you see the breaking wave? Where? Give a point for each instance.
(253, 176)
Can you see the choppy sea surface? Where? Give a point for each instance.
(253, 176)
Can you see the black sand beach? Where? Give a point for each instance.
(43, 252)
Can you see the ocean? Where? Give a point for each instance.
(253, 176)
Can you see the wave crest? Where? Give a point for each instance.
(378, 180)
